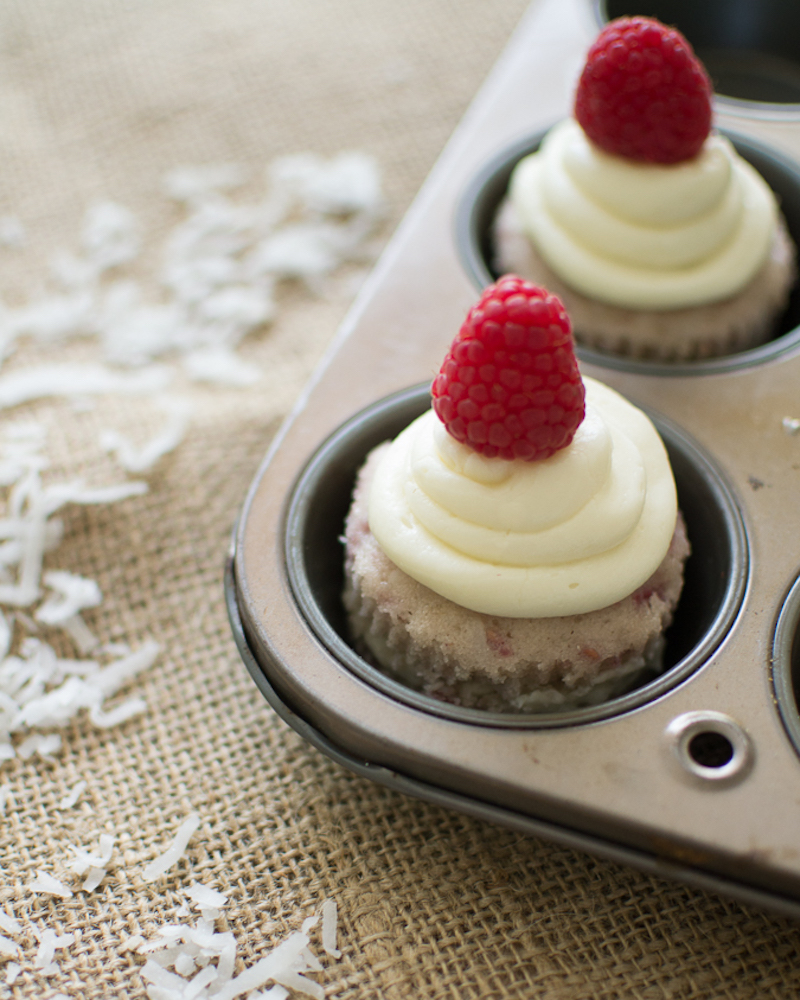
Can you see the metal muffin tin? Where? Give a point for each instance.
(694, 775)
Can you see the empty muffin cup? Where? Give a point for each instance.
(715, 574)
(749, 47)
(479, 205)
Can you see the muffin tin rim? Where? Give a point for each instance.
(785, 636)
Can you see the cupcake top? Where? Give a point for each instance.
(634, 202)
(579, 514)
(645, 236)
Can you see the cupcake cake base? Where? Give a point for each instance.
(735, 324)
(493, 663)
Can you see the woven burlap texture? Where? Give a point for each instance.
(99, 98)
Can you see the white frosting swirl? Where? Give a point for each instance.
(573, 533)
(642, 235)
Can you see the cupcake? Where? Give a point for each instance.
(518, 547)
(661, 241)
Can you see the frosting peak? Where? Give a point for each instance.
(645, 235)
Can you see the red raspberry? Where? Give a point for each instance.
(643, 93)
(510, 385)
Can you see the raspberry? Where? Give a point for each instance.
(510, 386)
(643, 93)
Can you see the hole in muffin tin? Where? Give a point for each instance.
(749, 47)
(710, 746)
(710, 749)
(715, 578)
(479, 204)
(786, 664)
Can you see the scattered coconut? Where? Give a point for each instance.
(9, 924)
(71, 594)
(43, 381)
(49, 942)
(69, 800)
(8, 947)
(93, 866)
(158, 866)
(329, 919)
(143, 459)
(45, 746)
(191, 951)
(216, 286)
(47, 884)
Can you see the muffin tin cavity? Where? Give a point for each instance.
(749, 47)
(786, 664)
(716, 572)
(478, 206)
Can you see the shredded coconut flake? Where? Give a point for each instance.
(174, 852)
(117, 715)
(5, 636)
(116, 675)
(8, 947)
(348, 183)
(29, 384)
(49, 942)
(45, 746)
(43, 691)
(132, 943)
(47, 884)
(192, 951)
(9, 924)
(28, 531)
(143, 459)
(205, 896)
(329, 921)
(71, 594)
(110, 235)
(69, 800)
(94, 866)
(80, 633)
(93, 878)
(220, 365)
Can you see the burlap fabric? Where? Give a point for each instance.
(97, 99)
